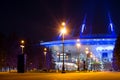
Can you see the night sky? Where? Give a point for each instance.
(41, 19)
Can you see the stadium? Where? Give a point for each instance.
(91, 52)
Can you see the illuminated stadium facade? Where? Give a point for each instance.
(101, 50)
(95, 51)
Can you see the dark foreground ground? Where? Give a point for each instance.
(61, 76)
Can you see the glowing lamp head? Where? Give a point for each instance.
(86, 48)
(78, 45)
(22, 46)
(63, 23)
(63, 31)
(86, 52)
(45, 53)
(45, 49)
(91, 56)
(22, 41)
(78, 40)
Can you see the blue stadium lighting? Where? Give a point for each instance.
(82, 41)
(111, 25)
(83, 26)
(105, 48)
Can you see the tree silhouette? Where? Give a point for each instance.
(3, 51)
(13, 49)
(116, 55)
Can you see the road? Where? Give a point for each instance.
(61, 76)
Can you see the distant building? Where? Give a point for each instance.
(97, 52)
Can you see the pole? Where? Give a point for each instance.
(78, 59)
(78, 47)
(22, 50)
(63, 66)
(45, 60)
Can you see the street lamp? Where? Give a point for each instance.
(63, 31)
(21, 59)
(78, 47)
(86, 50)
(45, 52)
(22, 45)
(22, 41)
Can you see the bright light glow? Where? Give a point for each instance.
(87, 48)
(78, 45)
(76, 60)
(22, 46)
(83, 26)
(83, 41)
(86, 52)
(22, 41)
(111, 25)
(78, 40)
(110, 47)
(66, 63)
(63, 31)
(45, 53)
(91, 55)
(63, 23)
(45, 49)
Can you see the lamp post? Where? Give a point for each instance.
(45, 52)
(21, 66)
(22, 45)
(78, 47)
(63, 31)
